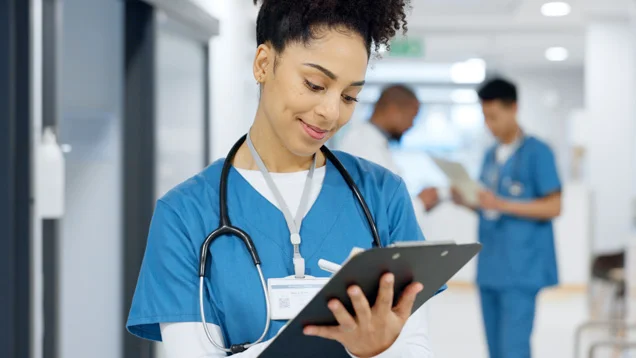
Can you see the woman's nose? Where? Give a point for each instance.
(329, 108)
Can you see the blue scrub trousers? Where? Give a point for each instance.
(508, 319)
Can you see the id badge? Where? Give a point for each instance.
(288, 296)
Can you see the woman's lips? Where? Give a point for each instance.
(314, 132)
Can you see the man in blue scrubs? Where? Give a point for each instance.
(522, 196)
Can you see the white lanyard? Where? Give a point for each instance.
(292, 224)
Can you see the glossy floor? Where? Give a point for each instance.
(457, 331)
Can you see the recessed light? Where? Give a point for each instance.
(470, 71)
(556, 54)
(556, 9)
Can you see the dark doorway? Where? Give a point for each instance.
(15, 179)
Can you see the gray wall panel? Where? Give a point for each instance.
(90, 247)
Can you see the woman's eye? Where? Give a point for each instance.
(313, 87)
(349, 99)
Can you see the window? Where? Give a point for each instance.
(451, 131)
(443, 128)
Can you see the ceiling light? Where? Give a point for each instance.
(556, 54)
(555, 9)
(471, 71)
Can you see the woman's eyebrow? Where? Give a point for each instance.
(331, 74)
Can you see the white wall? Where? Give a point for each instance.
(91, 312)
(180, 108)
(233, 90)
(610, 94)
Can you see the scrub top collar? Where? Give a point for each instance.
(318, 223)
(513, 147)
(516, 143)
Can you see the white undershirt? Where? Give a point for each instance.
(505, 151)
(188, 339)
(290, 185)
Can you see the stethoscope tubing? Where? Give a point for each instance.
(226, 228)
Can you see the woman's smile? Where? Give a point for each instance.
(314, 132)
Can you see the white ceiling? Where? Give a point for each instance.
(508, 34)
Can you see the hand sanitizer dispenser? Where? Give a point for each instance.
(50, 182)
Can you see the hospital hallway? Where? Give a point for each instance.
(506, 123)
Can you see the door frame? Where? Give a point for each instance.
(52, 23)
(139, 146)
(16, 193)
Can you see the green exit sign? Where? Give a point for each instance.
(407, 47)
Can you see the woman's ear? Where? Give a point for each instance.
(264, 55)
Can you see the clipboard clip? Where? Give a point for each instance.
(422, 243)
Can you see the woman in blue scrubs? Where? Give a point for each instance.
(310, 63)
(515, 224)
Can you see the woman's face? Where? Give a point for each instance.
(309, 91)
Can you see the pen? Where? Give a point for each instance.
(328, 266)
(333, 267)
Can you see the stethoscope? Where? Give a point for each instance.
(226, 228)
(515, 187)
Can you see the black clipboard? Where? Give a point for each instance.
(430, 263)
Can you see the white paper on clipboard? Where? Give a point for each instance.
(460, 179)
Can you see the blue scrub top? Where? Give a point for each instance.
(519, 252)
(168, 285)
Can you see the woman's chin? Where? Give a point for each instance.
(304, 149)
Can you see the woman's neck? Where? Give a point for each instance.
(277, 158)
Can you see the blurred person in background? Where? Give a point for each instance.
(516, 210)
(393, 115)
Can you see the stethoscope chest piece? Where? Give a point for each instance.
(516, 189)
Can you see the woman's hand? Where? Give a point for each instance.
(373, 330)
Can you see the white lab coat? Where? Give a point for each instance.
(367, 141)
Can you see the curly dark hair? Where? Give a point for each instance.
(283, 21)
